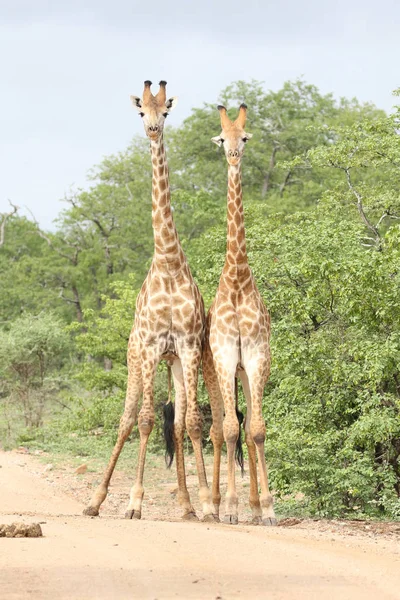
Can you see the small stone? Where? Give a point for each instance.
(48, 467)
(81, 469)
(20, 530)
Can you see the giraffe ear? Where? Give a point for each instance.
(217, 140)
(137, 103)
(248, 135)
(171, 103)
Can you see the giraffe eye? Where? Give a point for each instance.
(245, 139)
(141, 114)
(222, 141)
(165, 115)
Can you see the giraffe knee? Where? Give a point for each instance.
(258, 433)
(259, 438)
(231, 437)
(249, 439)
(145, 425)
(194, 430)
(194, 424)
(231, 432)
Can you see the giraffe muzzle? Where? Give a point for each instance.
(233, 157)
(154, 131)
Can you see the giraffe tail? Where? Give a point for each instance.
(169, 418)
(239, 446)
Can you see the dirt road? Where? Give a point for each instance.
(108, 557)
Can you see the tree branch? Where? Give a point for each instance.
(271, 166)
(357, 195)
(285, 182)
(4, 221)
(77, 249)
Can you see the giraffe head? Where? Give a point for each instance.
(233, 136)
(154, 109)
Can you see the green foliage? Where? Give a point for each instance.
(32, 352)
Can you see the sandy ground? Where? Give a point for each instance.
(109, 557)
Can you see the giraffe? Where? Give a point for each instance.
(169, 325)
(237, 345)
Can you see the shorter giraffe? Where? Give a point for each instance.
(237, 345)
(169, 325)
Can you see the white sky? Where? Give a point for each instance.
(68, 68)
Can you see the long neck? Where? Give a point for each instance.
(236, 239)
(167, 247)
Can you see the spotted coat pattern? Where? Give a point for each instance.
(169, 325)
(237, 346)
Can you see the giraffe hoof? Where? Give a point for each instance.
(210, 518)
(190, 516)
(256, 520)
(269, 522)
(231, 519)
(133, 514)
(91, 511)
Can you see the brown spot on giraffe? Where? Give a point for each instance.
(159, 333)
(237, 344)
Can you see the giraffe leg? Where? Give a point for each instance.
(190, 366)
(216, 431)
(179, 433)
(254, 499)
(145, 425)
(128, 419)
(226, 378)
(257, 371)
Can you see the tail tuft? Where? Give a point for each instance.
(169, 417)
(239, 447)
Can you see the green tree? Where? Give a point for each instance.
(32, 352)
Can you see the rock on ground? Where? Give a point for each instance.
(20, 530)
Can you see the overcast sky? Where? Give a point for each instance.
(69, 66)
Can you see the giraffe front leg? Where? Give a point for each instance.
(127, 421)
(145, 425)
(190, 366)
(216, 431)
(254, 497)
(226, 377)
(257, 378)
(179, 434)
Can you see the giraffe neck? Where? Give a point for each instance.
(167, 247)
(236, 239)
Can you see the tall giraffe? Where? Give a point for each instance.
(237, 345)
(169, 325)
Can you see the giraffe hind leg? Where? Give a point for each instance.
(150, 359)
(127, 421)
(216, 431)
(254, 498)
(225, 366)
(257, 372)
(179, 433)
(190, 366)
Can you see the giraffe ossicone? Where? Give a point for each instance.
(237, 345)
(169, 325)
